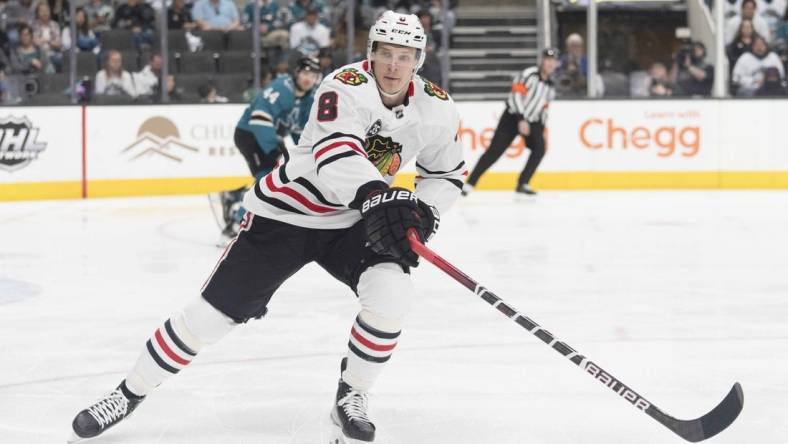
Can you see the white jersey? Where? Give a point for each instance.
(352, 143)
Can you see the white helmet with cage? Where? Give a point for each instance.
(398, 29)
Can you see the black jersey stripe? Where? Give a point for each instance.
(275, 202)
(336, 136)
(177, 340)
(420, 166)
(365, 356)
(455, 182)
(313, 189)
(336, 157)
(282, 174)
(160, 362)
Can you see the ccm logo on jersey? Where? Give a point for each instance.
(387, 197)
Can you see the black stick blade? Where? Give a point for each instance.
(708, 425)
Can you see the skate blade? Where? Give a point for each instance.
(337, 437)
(75, 438)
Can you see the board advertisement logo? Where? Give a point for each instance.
(19, 143)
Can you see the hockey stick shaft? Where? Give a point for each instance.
(694, 430)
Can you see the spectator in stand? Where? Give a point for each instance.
(690, 72)
(216, 15)
(18, 13)
(773, 84)
(748, 74)
(140, 18)
(658, 83)
(741, 43)
(575, 52)
(209, 94)
(27, 58)
(748, 8)
(100, 15)
(179, 16)
(59, 9)
(571, 75)
(46, 35)
(772, 12)
(431, 69)
(86, 39)
(309, 36)
(147, 80)
(113, 80)
(272, 28)
(300, 8)
(173, 91)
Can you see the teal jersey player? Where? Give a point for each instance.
(279, 111)
(274, 113)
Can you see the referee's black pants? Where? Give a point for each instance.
(503, 137)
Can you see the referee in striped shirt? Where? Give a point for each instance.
(525, 114)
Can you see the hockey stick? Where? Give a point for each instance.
(693, 430)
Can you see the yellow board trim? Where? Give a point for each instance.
(41, 190)
(631, 180)
(491, 181)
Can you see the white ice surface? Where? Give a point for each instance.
(678, 294)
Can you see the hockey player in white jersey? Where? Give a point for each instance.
(329, 202)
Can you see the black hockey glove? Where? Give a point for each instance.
(430, 220)
(388, 214)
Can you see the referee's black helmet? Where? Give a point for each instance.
(550, 52)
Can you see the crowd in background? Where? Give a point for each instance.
(35, 38)
(756, 39)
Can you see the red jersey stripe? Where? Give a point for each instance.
(269, 182)
(340, 143)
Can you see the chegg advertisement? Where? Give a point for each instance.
(633, 136)
(607, 136)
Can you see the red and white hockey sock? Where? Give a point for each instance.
(175, 344)
(370, 347)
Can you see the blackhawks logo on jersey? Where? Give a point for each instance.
(351, 76)
(384, 154)
(434, 90)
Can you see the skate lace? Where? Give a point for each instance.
(355, 406)
(109, 409)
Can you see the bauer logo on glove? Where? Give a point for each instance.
(391, 195)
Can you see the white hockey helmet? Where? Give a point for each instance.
(398, 29)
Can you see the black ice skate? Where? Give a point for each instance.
(108, 411)
(525, 189)
(349, 415)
